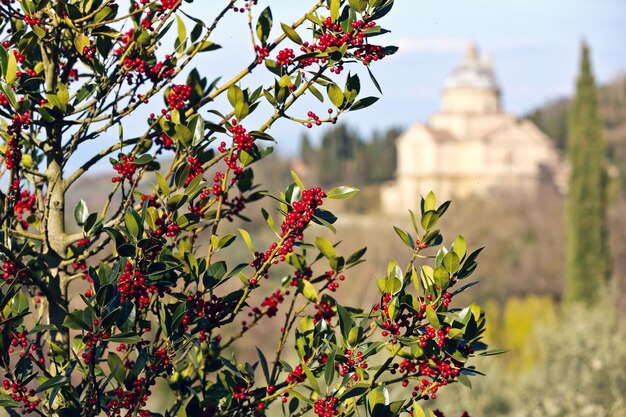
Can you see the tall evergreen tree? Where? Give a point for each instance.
(588, 258)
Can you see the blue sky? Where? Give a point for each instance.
(534, 46)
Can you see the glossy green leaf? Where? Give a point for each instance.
(459, 246)
(291, 33)
(55, 381)
(309, 291)
(325, 247)
(342, 192)
(335, 94)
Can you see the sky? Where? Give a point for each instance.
(534, 46)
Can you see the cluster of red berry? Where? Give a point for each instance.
(261, 52)
(235, 206)
(296, 376)
(271, 303)
(301, 214)
(166, 227)
(26, 204)
(324, 312)
(170, 4)
(326, 407)
(195, 169)
(31, 20)
(20, 393)
(4, 100)
(199, 207)
(210, 311)
(285, 57)
(432, 334)
(161, 363)
(441, 373)
(152, 200)
(180, 93)
(163, 140)
(132, 285)
(91, 339)
(133, 398)
(125, 168)
(13, 153)
(245, 6)
(349, 366)
(332, 279)
(300, 275)
(335, 37)
(10, 271)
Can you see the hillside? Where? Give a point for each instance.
(552, 119)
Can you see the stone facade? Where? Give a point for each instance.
(470, 147)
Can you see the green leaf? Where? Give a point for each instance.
(309, 291)
(405, 237)
(311, 378)
(182, 31)
(363, 103)
(196, 126)
(451, 262)
(345, 321)
(316, 93)
(235, 95)
(442, 278)
(264, 367)
(129, 337)
(376, 401)
(9, 74)
(418, 411)
(356, 256)
(459, 246)
(329, 369)
(182, 134)
(246, 238)
(335, 94)
(269, 220)
(429, 219)
(4, 60)
(334, 9)
(72, 321)
(81, 212)
(291, 34)
(494, 352)
(264, 25)
(342, 192)
(130, 221)
(325, 247)
(429, 202)
(165, 189)
(80, 42)
(55, 381)
(358, 5)
(431, 315)
(297, 180)
(355, 336)
(7, 401)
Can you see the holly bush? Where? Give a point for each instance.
(164, 305)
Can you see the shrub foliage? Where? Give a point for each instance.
(163, 304)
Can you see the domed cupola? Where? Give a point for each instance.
(471, 88)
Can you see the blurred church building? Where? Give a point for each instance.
(471, 146)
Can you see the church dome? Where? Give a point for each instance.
(472, 74)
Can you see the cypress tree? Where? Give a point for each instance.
(588, 258)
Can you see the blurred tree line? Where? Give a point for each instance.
(553, 118)
(345, 156)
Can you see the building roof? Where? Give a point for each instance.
(472, 73)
